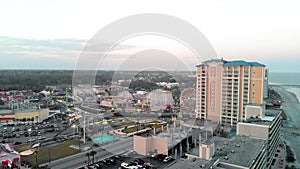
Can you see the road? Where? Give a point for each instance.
(78, 160)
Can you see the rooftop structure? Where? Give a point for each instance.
(165, 142)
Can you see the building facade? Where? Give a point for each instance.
(267, 128)
(224, 88)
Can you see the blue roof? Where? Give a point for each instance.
(232, 63)
(242, 63)
(203, 64)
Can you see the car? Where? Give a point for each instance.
(117, 157)
(98, 166)
(103, 162)
(147, 165)
(161, 157)
(31, 140)
(139, 161)
(17, 143)
(124, 165)
(106, 162)
(128, 166)
(168, 158)
(92, 167)
(111, 160)
(41, 138)
(154, 155)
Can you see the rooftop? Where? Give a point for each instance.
(242, 63)
(239, 150)
(232, 63)
(268, 119)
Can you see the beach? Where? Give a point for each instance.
(291, 128)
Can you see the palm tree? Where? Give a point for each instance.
(93, 153)
(88, 156)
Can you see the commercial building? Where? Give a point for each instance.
(265, 127)
(239, 152)
(171, 140)
(13, 115)
(224, 88)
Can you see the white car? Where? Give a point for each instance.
(168, 158)
(125, 165)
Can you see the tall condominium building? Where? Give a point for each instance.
(224, 88)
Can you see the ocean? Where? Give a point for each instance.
(286, 79)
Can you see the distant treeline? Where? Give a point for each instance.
(37, 80)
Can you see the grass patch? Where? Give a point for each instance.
(56, 152)
(132, 129)
(155, 124)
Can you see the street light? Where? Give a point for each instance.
(74, 127)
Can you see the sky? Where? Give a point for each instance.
(52, 34)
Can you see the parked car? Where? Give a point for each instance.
(168, 158)
(139, 161)
(17, 143)
(31, 140)
(161, 157)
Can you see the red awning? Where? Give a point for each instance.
(6, 118)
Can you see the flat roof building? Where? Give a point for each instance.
(266, 127)
(239, 152)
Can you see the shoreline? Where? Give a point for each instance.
(293, 93)
(290, 105)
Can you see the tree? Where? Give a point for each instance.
(93, 153)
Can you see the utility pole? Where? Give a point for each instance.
(83, 129)
(67, 99)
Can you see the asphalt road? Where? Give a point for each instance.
(78, 160)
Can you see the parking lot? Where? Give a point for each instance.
(27, 133)
(132, 161)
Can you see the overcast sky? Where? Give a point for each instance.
(51, 34)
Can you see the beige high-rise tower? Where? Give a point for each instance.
(225, 87)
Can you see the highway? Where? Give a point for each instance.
(78, 160)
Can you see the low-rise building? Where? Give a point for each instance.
(36, 114)
(239, 152)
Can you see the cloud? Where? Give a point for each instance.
(21, 53)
